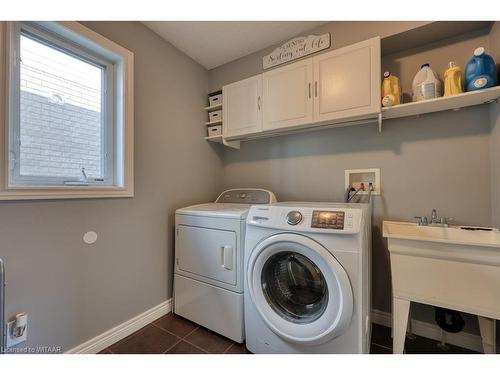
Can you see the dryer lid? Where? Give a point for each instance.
(221, 210)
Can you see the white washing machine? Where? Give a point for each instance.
(208, 272)
(307, 282)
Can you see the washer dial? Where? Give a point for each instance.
(294, 217)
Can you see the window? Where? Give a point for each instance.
(70, 120)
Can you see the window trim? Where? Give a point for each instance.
(123, 126)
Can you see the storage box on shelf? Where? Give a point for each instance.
(215, 100)
(214, 130)
(215, 116)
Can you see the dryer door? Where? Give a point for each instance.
(207, 254)
(300, 289)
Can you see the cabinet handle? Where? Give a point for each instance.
(316, 89)
(258, 102)
(309, 90)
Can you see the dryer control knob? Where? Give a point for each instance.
(294, 217)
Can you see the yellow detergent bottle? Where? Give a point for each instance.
(453, 80)
(391, 93)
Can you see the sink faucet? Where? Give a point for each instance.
(435, 220)
(434, 217)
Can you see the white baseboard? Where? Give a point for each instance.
(115, 334)
(432, 331)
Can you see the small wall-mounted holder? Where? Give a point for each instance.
(17, 330)
(356, 177)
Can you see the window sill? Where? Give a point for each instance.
(64, 193)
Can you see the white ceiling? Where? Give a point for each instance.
(214, 43)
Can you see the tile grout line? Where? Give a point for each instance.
(196, 346)
(184, 339)
(181, 339)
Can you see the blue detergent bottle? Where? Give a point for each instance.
(480, 72)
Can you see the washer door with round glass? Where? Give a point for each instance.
(300, 290)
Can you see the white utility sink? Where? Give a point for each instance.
(451, 267)
(458, 235)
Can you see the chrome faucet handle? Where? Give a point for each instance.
(422, 220)
(434, 217)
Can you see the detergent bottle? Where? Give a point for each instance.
(391, 93)
(480, 72)
(453, 80)
(426, 84)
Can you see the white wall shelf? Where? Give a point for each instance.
(444, 103)
(214, 138)
(219, 139)
(212, 123)
(213, 108)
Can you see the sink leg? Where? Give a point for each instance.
(401, 309)
(487, 328)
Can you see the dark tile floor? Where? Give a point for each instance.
(172, 334)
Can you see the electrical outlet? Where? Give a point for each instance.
(13, 340)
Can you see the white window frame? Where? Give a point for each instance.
(81, 42)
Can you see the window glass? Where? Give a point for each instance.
(61, 113)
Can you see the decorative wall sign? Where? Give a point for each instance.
(296, 48)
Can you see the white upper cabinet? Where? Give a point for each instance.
(339, 86)
(287, 96)
(242, 106)
(347, 82)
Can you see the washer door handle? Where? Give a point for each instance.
(226, 257)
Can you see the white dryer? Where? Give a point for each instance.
(208, 272)
(307, 283)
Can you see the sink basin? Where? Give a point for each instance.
(452, 267)
(452, 235)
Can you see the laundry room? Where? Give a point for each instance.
(192, 183)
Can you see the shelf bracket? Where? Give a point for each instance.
(232, 144)
(380, 122)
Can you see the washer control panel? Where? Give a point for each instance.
(334, 218)
(328, 219)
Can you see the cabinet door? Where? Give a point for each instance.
(347, 82)
(287, 96)
(242, 107)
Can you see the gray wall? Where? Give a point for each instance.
(437, 161)
(495, 132)
(73, 292)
